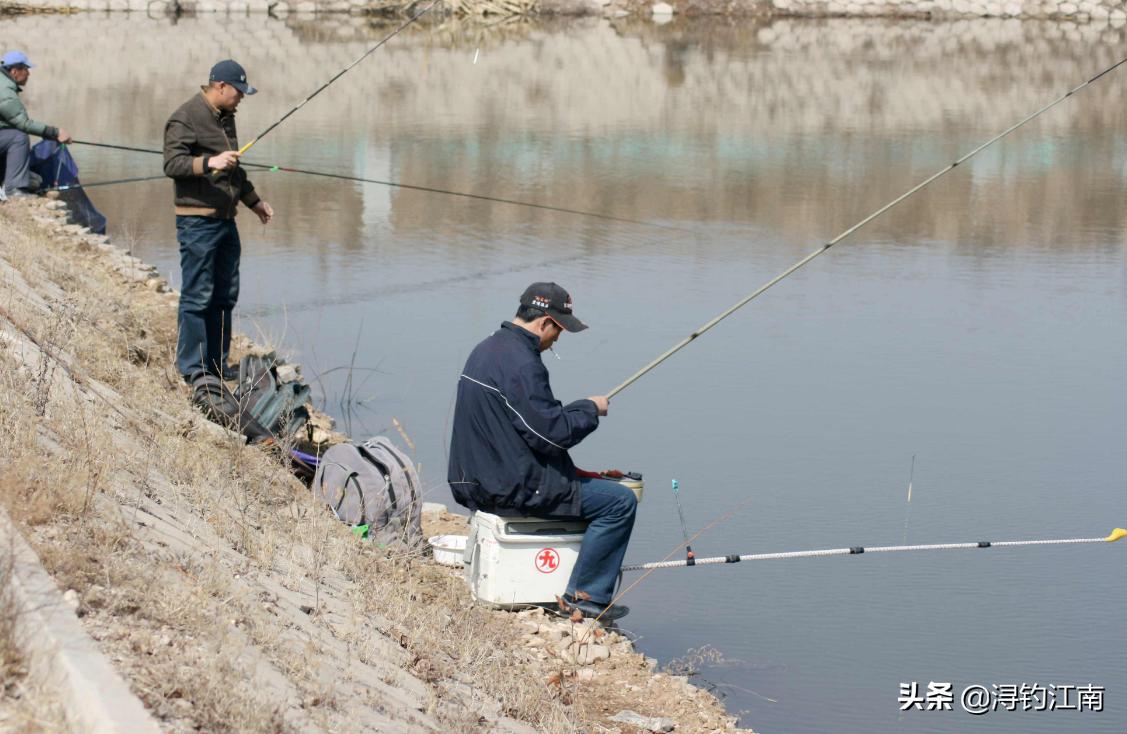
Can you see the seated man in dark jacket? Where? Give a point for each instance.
(508, 451)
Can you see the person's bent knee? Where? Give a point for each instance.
(196, 300)
(626, 502)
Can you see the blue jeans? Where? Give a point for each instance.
(610, 507)
(209, 268)
(15, 154)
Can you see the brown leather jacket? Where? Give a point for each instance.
(195, 132)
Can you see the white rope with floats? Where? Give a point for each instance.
(1115, 535)
(747, 299)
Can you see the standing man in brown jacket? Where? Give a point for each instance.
(201, 154)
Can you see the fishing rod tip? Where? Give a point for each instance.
(1116, 535)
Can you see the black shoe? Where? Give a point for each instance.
(593, 609)
(230, 373)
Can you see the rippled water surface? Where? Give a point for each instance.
(979, 327)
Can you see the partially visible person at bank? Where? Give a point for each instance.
(16, 126)
(201, 155)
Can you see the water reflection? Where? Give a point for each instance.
(980, 325)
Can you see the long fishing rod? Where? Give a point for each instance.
(747, 299)
(1115, 535)
(114, 182)
(479, 197)
(338, 75)
(399, 185)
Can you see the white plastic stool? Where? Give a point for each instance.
(520, 561)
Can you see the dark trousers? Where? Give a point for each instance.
(15, 155)
(209, 269)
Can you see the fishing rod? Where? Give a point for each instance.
(755, 294)
(399, 185)
(479, 197)
(338, 75)
(114, 182)
(1115, 535)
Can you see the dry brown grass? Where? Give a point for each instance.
(227, 598)
(81, 465)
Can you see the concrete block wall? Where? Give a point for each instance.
(1076, 9)
(229, 7)
(1082, 10)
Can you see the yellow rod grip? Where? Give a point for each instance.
(1116, 535)
(242, 150)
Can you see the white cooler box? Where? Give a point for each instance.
(518, 561)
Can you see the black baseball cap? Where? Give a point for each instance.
(554, 301)
(231, 72)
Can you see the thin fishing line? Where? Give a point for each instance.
(1115, 535)
(689, 555)
(623, 243)
(747, 299)
(412, 187)
(908, 510)
(718, 521)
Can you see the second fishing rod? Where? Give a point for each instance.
(276, 168)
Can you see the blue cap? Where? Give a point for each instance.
(16, 58)
(230, 72)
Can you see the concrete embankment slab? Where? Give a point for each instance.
(95, 698)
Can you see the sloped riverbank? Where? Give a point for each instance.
(220, 592)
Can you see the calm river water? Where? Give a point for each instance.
(980, 327)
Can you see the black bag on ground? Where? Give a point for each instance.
(278, 407)
(220, 406)
(373, 484)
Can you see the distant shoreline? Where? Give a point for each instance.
(1083, 11)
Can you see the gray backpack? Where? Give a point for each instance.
(373, 484)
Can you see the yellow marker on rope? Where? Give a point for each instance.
(1116, 534)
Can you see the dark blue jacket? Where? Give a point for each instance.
(508, 451)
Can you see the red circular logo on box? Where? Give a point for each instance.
(547, 560)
